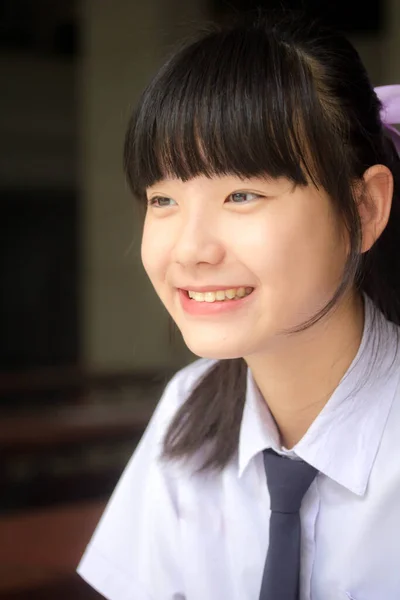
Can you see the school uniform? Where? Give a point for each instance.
(171, 534)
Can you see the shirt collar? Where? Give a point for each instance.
(343, 441)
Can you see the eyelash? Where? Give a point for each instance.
(244, 194)
(153, 201)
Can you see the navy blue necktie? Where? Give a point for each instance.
(288, 480)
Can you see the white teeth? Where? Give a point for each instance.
(198, 296)
(230, 293)
(220, 295)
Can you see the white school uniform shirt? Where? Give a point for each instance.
(171, 534)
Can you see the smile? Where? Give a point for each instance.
(211, 303)
(220, 295)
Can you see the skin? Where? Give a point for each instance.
(289, 245)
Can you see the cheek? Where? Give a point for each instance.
(154, 253)
(317, 257)
(300, 249)
(274, 244)
(146, 251)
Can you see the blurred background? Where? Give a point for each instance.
(85, 346)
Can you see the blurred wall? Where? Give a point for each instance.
(37, 122)
(391, 44)
(123, 43)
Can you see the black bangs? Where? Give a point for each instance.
(236, 102)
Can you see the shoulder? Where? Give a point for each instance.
(142, 517)
(187, 378)
(175, 393)
(181, 385)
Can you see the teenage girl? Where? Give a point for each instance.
(270, 469)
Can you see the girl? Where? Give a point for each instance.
(270, 469)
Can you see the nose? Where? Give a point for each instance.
(197, 242)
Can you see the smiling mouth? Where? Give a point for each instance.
(229, 295)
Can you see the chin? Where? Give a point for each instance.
(215, 351)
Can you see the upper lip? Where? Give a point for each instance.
(212, 288)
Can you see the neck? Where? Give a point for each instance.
(298, 376)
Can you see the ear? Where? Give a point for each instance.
(374, 203)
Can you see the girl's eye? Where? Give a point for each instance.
(160, 201)
(242, 197)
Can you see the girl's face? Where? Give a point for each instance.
(283, 243)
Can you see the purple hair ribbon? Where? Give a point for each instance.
(389, 95)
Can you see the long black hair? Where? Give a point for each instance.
(275, 95)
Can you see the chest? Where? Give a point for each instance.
(350, 545)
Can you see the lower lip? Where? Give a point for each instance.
(193, 307)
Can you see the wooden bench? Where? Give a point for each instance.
(47, 520)
(40, 550)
